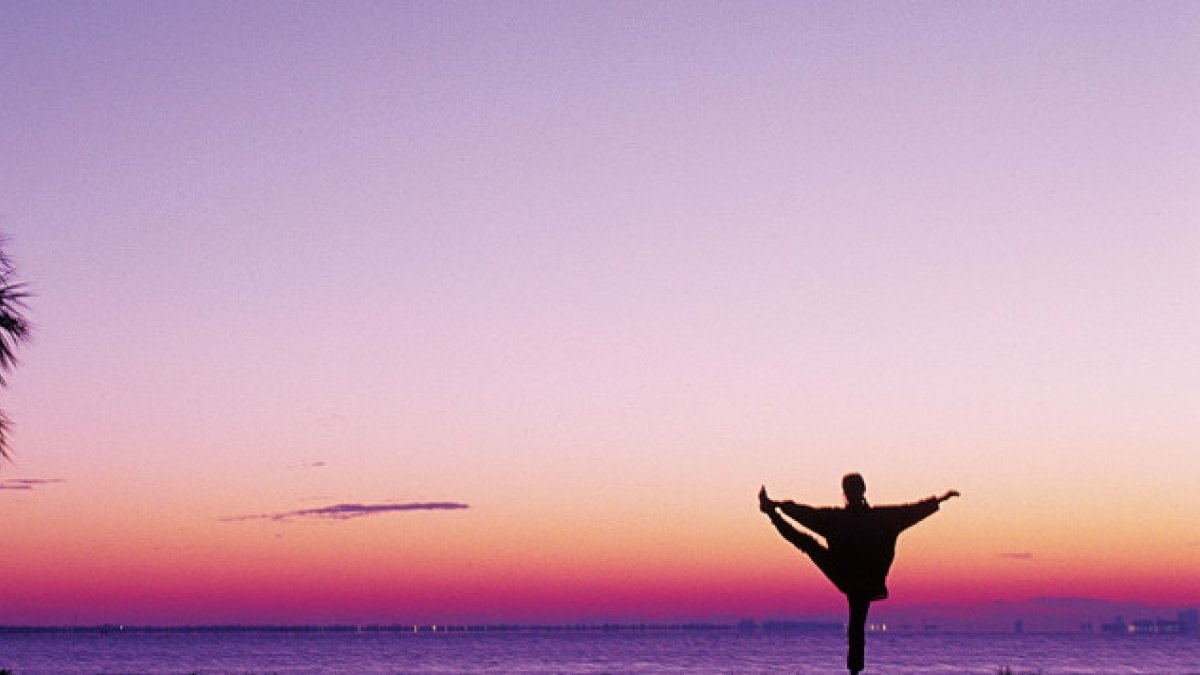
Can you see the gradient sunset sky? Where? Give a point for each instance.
(475, 312)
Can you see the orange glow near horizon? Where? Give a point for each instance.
(456, 568)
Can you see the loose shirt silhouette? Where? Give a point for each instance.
(861, 539)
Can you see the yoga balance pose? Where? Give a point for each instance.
(861, 543)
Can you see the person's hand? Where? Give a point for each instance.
(948, 495)
(765, 503)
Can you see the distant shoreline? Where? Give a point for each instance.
(374, 628)
(446, 629)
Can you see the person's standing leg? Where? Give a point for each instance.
(857, 633)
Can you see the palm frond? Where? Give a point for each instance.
(4, 427)
(14, 330)
(14, 327)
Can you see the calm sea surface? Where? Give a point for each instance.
(587, 652)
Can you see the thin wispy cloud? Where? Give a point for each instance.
(28, 483)
(348, 511)
(1016, 556)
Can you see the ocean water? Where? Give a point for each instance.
(586, 652)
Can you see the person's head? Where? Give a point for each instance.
(855, 489)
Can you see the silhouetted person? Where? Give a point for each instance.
(861, 542)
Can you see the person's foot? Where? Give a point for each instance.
(765, 503)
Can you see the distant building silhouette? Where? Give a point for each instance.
(1187, 621)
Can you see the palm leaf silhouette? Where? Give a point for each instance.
(14, 330)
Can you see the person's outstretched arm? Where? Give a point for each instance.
(801, 540)
(795, 537)
(815, 519)
(907, 515)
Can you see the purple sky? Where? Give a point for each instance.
(581, 258)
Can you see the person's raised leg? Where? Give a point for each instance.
(857, 633)
(805, 542)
